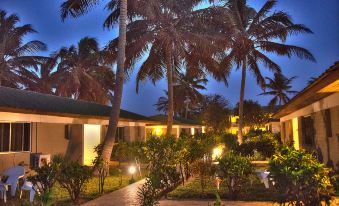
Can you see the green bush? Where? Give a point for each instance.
(235, 170)
(44, 180)
(72, 177)
(128, 151)
(265, 144)
(300, 178)
(230, 141)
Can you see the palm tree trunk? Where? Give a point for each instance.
(241, 102)
(170, 109)
(116, 102)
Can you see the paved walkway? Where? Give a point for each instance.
(126, 196)
(205, 203)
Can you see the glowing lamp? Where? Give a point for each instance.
(131, 170)
(217, 152)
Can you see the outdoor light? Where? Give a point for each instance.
(132, 170)
(217, 152)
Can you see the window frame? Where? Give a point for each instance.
(22, 138)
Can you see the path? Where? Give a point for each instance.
(205, 203)
(126, 196)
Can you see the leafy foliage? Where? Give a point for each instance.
(128, 151)
(72, 177)
(300, 178)
(44, 180)
(265, 143)
(101, 167)
(230, 141)
(280, 89)
(235, 170)
(214, 112)
(147, 194)
(254, 114)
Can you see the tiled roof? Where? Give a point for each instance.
(33, 102)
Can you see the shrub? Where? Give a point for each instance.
(235, 170)
(147, 194)
(101, 168)
(230, 141)
(266, 144)
(128, 151)
(72, 177)
(299, 177)
(205, 169)
(44, 180)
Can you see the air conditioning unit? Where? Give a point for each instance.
(38, 159)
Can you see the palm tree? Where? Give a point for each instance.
(255, 33)
(15, 55)
(84, 73)
(44, 79)
(279, 88)
(186, 88)
(164, 32)
(79, 7)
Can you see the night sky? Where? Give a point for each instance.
(321, 16)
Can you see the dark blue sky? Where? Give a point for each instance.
(319, 15)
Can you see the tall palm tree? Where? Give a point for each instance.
(79, 7)
(84, 73)
(186, 88)
(254, 33)
(164, 32)
(43, 79)
(280, 88)
(14, 54)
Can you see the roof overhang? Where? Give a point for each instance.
(325, 85)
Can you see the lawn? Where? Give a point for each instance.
(251, 192)
(60, 196)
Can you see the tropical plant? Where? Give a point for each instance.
(300, 178)
(280, 89)
(166, 33)
(147, 194)
(253, 114)
(186, 95)
(44, 79)
(235, 170)
(230, 141)
(100, 168)
(254, 32)
(72, 177)
(205, 170)
(14, 54)
(84, 74)
(214, 112)
(44, 179)
(266, 144)
(119, 10)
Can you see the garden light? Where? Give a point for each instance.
(132, 170)
(217, 152)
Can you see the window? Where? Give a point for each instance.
(328, 123)
(15, 137)
(119, 136)
(4, 137)
(308, 130)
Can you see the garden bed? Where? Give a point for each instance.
(251, 192)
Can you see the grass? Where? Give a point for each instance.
(251, 192)
(60, 196)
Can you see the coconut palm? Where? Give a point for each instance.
(84, 73)
(76, 8)
(254, 34)
(186, 95)
(14, 54)
(280, 89)
(165, 33)
(43, 79)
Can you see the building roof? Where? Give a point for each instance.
(22, 101)
(325, 85)
(176, 121)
